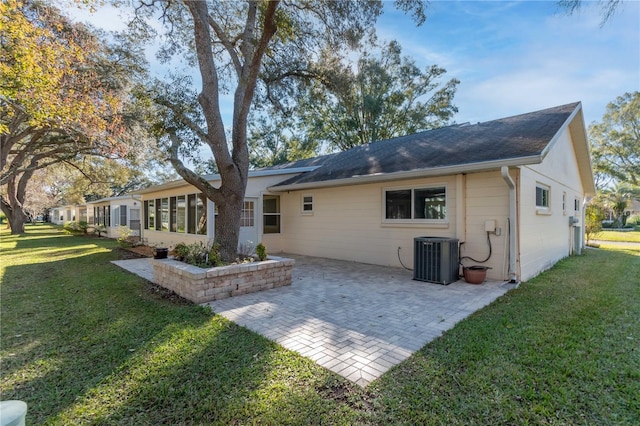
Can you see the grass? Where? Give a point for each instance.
(85, 342)
(619, 236)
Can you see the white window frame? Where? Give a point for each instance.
(542, 208)
(413, 220)
(276, 214)
(304, 203)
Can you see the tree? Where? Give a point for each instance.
(233, 45)
(275, 141)
(594, 215)
(617, 199)
(386, 97)
(64, 93)
(608, 7)
(615, 143)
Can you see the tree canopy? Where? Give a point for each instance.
(384, 97)
(615, 142)
(246, 48)
(64, 92)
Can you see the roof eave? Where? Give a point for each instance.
(576, 127)
(418, 173)
(212, 178)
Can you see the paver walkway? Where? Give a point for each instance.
(357, 320)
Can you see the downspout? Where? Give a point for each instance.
(513, 218)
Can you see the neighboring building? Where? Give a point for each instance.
(633, 208)
(520, 182)
(63, 214)
(113, 212)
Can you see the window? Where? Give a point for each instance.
(201, 214)
(307, 204)
(99, 216)
(83, 214)
(123, 215)
(271, 214)
(191, 213)
(164, 213)
(246, 219)
(172, 214)
(416, 204)
(134, 220)
(564, 202)
(542, 196)
(181, 213)
(576, 204)
(107, 216)
(430, 203)
(151, 215)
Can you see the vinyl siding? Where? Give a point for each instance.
(546, 238)
(347, 223)
(487, 198)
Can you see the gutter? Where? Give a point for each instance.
(513, 225)
(418, 173)
(216, 177)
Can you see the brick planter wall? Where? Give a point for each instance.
(204, 285)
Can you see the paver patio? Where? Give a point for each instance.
(357, 320)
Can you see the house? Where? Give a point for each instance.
(511, 190)
(114, 212)
(63, 214)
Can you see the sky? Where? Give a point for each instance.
(518, 57)
(513, 57)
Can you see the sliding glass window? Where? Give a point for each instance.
(181, 213)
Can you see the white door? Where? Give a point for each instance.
(248, 225)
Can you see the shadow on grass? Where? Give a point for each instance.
(85, 342)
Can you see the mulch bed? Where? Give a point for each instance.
(142, 251)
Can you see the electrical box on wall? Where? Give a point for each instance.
(490, 225)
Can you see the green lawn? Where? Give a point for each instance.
(624, 237)
(85, 342)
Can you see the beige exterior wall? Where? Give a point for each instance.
(545, 234)
(347, 223)
(487, 199)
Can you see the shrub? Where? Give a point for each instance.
(180, 251)
(76, 227)
(215, 258)
(204, 256)
(633, 220)
(261, 251)
(124, 236)
(196, 254)
(593, 221)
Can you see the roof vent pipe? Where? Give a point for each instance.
(513, 276)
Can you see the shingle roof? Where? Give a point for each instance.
(508, 138)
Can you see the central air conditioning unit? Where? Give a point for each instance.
(435, 259)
